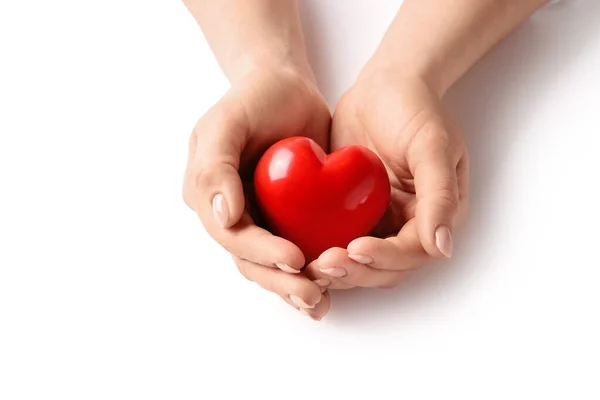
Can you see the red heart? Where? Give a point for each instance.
(318, 201)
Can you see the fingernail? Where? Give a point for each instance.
(361, 259)
(305, 312)
(322, 282)
(335, 272)
(443, 240)
(220, 210)
(286, 268)
(299, 302)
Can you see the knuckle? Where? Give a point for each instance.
(204, 178)
(198, 179)
(198, 182)
(447, 199)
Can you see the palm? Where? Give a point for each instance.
(286, 106)
(387, 121)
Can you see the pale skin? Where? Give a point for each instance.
(394, 108)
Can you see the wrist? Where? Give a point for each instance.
(382, 71)
(438, 43)
(265, 58)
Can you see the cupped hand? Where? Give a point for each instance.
(403, 121)
(260, 109)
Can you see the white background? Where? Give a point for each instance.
(110, 288)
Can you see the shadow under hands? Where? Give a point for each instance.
(496, 96)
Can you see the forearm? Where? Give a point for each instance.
(440, 40)
(248, 34)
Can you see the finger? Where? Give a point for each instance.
(250, 242)
(327, 270)
(318, 311)
(433, 164)
(212, 185)
(402, 252)
(213, 189)
(296, 289)
(344, 273)
(321, 309)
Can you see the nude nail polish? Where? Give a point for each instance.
(322, 282)
(286, 268)
(335, 272)
(220, 210)
(305, 312)
(361, 259)
(299, 302)
(443, 241)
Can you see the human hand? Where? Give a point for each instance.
(402, 120)
(394, 108)
(263, 107)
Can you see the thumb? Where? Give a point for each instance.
(436, 187)
(212, 184)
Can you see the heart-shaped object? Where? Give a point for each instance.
(318, 200)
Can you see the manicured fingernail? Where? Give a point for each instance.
(220, 210)
(322, 282)
(361, 259)
(443, 240)
(286, 268)
(335, 272)
(299, 302)
(305, 312)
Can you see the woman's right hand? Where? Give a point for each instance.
(261, 108)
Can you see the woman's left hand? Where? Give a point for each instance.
(403, 121)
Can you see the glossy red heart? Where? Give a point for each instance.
(318, 201)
